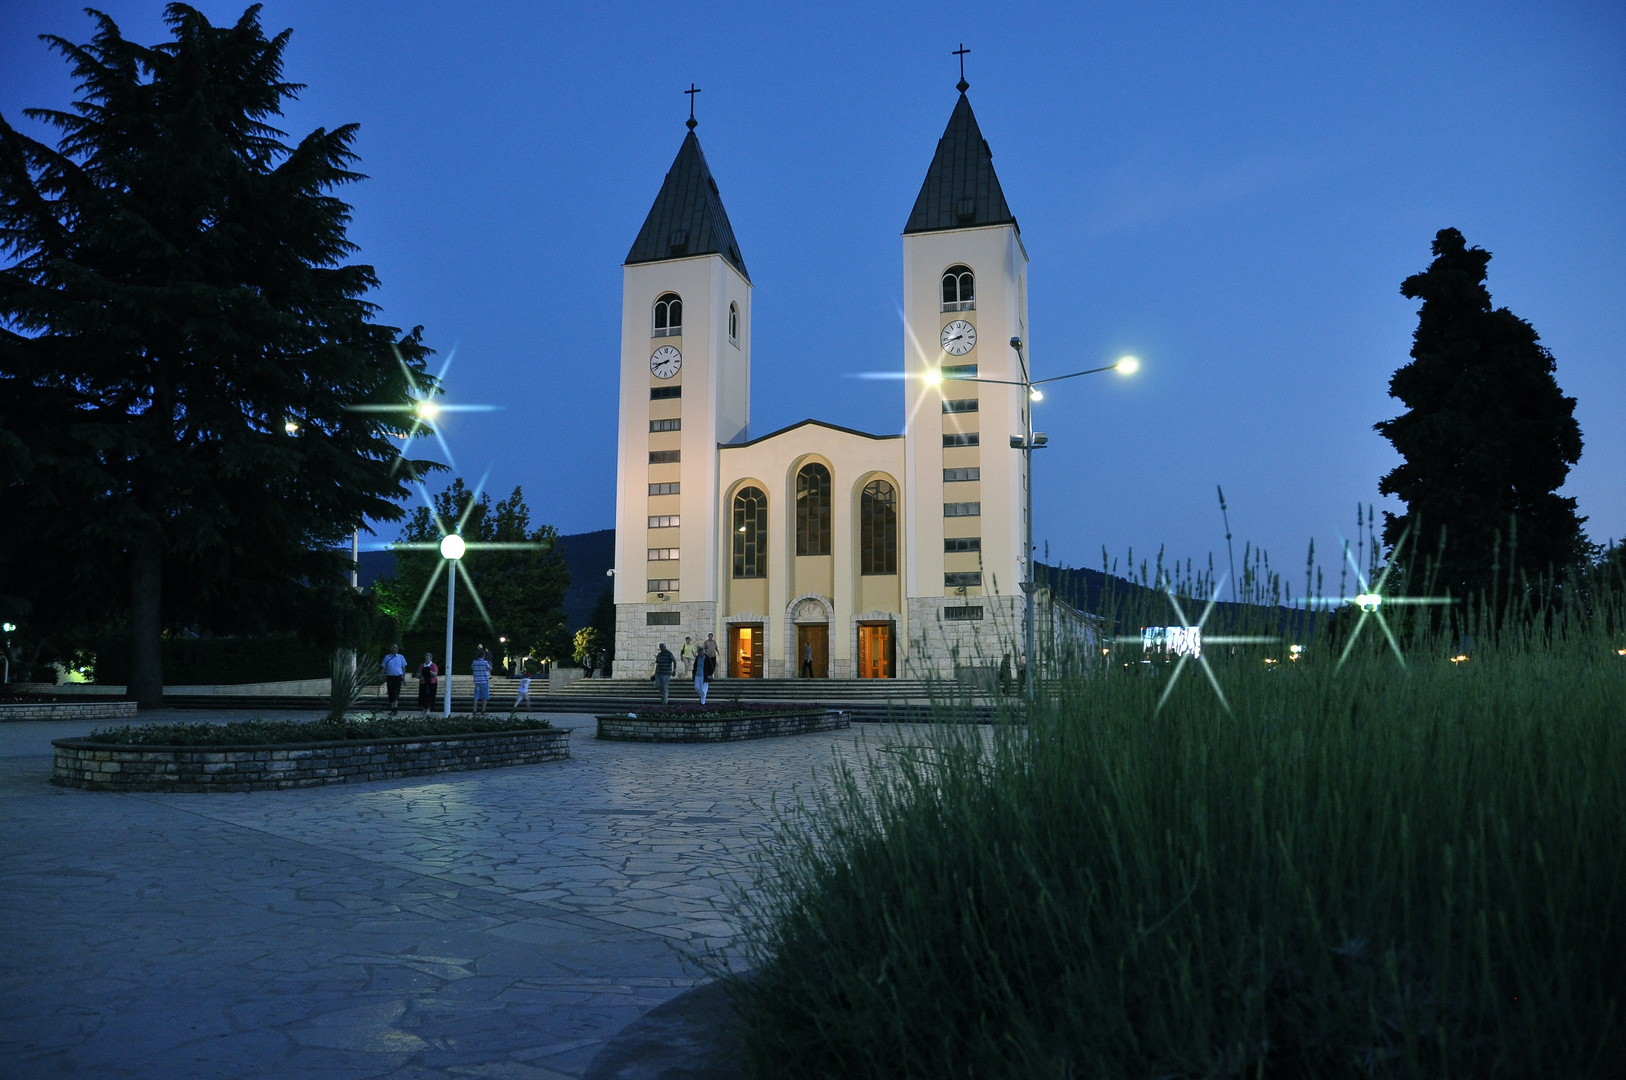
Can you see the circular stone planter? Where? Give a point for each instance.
(627, 728)
(100, 766)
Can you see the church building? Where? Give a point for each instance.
(888, 555)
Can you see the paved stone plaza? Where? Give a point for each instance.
(492, 924)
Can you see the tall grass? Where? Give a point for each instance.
(1355, 871)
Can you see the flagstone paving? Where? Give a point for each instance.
(494, 924)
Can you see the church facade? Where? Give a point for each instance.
(882, 555)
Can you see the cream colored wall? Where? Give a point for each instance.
(772, 464)
(996, 257)
(715, 407)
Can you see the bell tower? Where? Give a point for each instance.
(685, 389)
(965, 297)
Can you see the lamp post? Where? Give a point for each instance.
(451, 549)
(1028, 442)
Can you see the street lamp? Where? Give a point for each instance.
(1028, 442)
(451, 549)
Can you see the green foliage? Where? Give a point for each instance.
(349, 728)
(1356, 872)
(222, 660)
(352, 676)
(177, 298)
(603, 624)
(585, 645)
(1488, 438)
(522, 588)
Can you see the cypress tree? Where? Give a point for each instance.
(1487, 439)
(178, 287)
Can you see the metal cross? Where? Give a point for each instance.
(962, 85)
(692, 91)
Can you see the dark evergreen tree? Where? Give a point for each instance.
(178, 290)
(1487, 439)
(523, 587)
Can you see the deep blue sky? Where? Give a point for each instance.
(1231, 192)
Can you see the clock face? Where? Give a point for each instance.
(665, 362)
(958, 337)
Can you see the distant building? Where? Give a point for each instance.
(887, 554)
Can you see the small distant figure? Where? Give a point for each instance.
(428, 677)
(686, 656)
(705, 666)
(394, 665)
(664, 663)
(524, 695)
(807, 659)
(482, 680)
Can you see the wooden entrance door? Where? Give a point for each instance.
(875, 650)
(817, 636)
(745, 651)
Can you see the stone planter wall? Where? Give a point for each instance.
(99, 766)
(68, 710)
(722, 729)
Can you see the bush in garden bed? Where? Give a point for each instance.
(350, 729)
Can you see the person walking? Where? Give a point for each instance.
(686, 656)
(428, 676)
(705, 666)
(394, 665)
(664, 663)
(807, 659)
(524, 695)
(482, 681)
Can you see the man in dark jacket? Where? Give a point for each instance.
(664, 663)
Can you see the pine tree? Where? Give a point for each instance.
(179, 280)
(1487, 439)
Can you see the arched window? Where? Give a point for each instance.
(878, 529)
(750, 533)
(734, 323)
(813, 510)
(959, 292)
(669, 315)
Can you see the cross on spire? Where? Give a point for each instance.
(962, 86)
(692, 91)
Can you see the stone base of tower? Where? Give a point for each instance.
(949, 633)
(637, 641)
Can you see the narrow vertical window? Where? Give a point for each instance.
(959, 293)
(750, 533)
(878, 529)
(734, 323)
(668, 315)
(813, 510)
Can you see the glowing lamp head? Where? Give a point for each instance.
(1035, 394)
(1128, 365)
(452, 547)
(10, 626)
(291, 428)
(933, 377)
(426, 410)
(1368, 601)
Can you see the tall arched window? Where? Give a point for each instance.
(750, 533)
(669, 315)
(734, 323)
(813, 510)
(878, 529)
(959, 292)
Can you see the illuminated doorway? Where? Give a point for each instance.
(817, 636)
(875, 650)
(745, 651)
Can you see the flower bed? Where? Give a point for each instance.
(125, 759)
(728, 723)
(259, 732)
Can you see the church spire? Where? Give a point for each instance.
(688, 217)
(960, 190)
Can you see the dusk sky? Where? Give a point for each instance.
(1232, 193)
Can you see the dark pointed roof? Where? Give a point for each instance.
(688, 216)
(961, 189)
